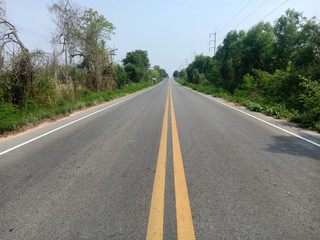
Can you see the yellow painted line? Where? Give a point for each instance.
(185, 228)
(155, 223)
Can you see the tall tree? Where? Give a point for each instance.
(161, 71)
(286, 33)
(91, 36)
(138, 58)
(306, 57)
(66, 18)
(200, 66)
(229, 59)
(258, 47)
(134, 73)
(136, 64)
(19, 82)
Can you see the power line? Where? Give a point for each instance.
(214, 41)
(251, 13)
(11, 11)
(204, 46)
(235, 16)
(32, 33)
(274, 10)
(206, 43)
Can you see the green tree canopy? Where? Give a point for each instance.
(139, 58)
(258, 47)
(136, 64)
(154, 74)
(161, 71)
(183, 74)
(286, 32)
(134, 73)
(92, 34)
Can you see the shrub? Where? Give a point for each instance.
(253, 106)
(310, 98)
(10, 116)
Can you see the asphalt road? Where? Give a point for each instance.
(94, 177)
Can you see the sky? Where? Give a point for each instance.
(171, 31)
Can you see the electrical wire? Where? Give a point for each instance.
(274, 10)
(27, 32)
(235, 16)
(262, 18)
(251, 13)
(32, 33)
(204, 46)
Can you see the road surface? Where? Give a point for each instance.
(164, 163)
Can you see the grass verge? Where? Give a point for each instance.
(264, 105)
(12, 118)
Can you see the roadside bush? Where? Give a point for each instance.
(248, 82)
(10, 116)
(45, 90)
(310, 99)
(279, 110)
(253, 106)
(122, 76)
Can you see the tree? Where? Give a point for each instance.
(17, 79)
(183, 74)
(311, 104)
(136, 64)
(199, 67)
(91, 36)
(228, 61)
(286, 33)
(161, 71)
(67, 18)
(176, 74)
(306, 57)
(139, 58)
(121, 75)
(134, 73)
(154, 74)
(258, 47)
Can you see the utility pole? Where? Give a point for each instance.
(193, 56)
(214, 41)
(112, 54)
(65, 50)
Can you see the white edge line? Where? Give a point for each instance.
(68, 124)
(259, 119)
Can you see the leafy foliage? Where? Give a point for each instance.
(136, 65)
(35, 85)
(273, 69)
(91, 37)
(161, 71)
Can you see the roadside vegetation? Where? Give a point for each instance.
(273, 69)
(79, 72)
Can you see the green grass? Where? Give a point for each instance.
(264, 105)
(12, 118)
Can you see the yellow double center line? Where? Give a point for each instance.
(185, 228)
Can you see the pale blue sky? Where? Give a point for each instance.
(170, 30)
